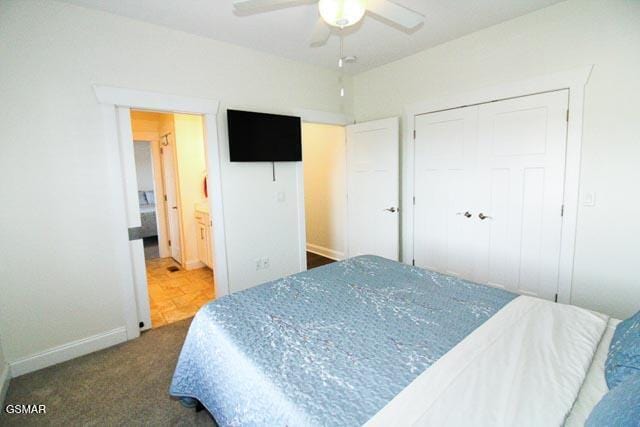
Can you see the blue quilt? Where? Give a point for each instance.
(329, 346)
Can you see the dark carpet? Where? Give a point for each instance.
(151, 249)
(315, 260)
(123, 385)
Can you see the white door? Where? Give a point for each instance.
(445, 169)
(169, 172)
(521, 159)
(488, 192)
(373, 183)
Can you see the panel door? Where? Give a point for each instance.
(373, 185)
(445, 170)
(169, 169)
(521, 162)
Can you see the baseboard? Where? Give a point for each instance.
(68, 351)
(194, 264)
(5, 378)
(325, 252)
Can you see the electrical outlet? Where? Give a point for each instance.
(266, 263)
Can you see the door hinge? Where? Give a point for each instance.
(414, 134)
(414, 200)
(562, 210)
(161, 150)
(556, 298)
(413, 262)
(169, 242)
(567, 116)
(165, 197)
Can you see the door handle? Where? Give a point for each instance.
(174, 207)
(392, 209)
(483, 216)
(466, 214)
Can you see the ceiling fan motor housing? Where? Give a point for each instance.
(342, 13)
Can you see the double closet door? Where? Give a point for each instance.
(488, 189)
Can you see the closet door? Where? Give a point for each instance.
(521, 156)
(445, 170)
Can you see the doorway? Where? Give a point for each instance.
(325, 192)
(170, 162)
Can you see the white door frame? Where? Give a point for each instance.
(116, 102)
(574, 80)
(319, 117)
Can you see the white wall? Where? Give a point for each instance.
(564, 36)
(59, 283)
(325, 188)
(4, 377)
(144, 166)
(189, 133)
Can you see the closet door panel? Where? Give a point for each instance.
(445, 151)
(521, 154)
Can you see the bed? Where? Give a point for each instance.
(148, 223)
(369, 341)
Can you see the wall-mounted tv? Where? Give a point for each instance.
(261, 137)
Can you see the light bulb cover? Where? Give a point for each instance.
(342, 13)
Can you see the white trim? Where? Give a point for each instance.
(129, 98)
(573, 80)
(193, 264)
(68, 351)
(323, 117)
(123, 266)
(214, 183)
(143, 302)
(302, 218)
(143, 100)
(5, 379)
(325, 252)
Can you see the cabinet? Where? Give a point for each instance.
(203, 234)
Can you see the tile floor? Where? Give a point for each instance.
(178, 295)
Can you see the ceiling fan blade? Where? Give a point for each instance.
(321, 33)
(250, 5)
(395, 13)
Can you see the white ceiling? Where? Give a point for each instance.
(286, 31)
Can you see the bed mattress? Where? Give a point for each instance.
(328, 346)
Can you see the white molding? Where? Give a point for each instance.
(68, 351)
(193, 264)
(119, 99)
(216, 207)
(325, 252)
(301, 217)
(5, 379)
(116, 199)
(154, 101)
(574, 80)
(323, 117)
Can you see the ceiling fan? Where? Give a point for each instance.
(339, 13)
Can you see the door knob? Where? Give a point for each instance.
(466, 214)
(483, 216)
(392, 209)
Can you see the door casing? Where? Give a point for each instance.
(116, 104)
(575, 81)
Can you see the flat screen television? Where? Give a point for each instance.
(261, 137)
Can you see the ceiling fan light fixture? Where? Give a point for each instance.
(342, 13)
